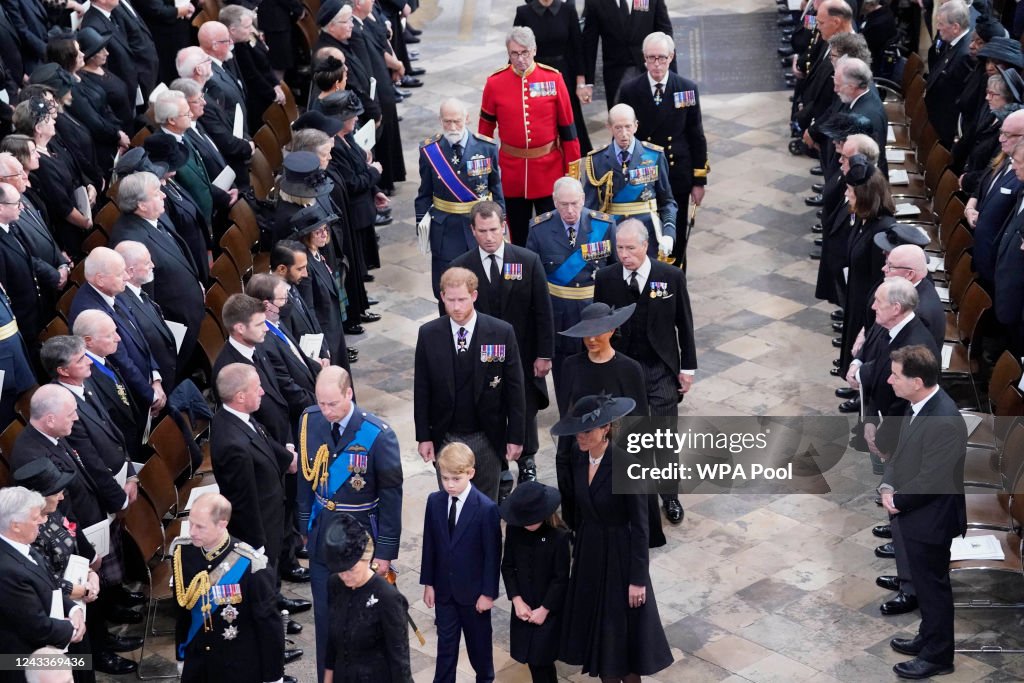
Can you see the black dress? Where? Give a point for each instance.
(56, 180)
(535, 567)
(117, 97)
(864, 263)
(368, 637)
(601, 631)
(559, 45)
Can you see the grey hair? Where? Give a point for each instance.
(523, 35)
(186, 86)
(88, 321)
(455, 102)
(567, 184)
(188, 59)
(956, 12)
(131, 251)
(634, 227)
(232, 15)
(232, 379)
(48, 399)
(133, 188)
(308, 140)
(856, 71)
(997, 82)
(58, 351)
(15, 504)
(167, 105)
(900, 291)
(101, 260)
(660, 38)
(866, 145)
(7, 162)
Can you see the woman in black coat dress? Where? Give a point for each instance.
(556, 25)
(118, 98)
(611, 623)
(973, 153)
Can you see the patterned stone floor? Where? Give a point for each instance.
(751, 587)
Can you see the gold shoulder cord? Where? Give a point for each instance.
(198, 589)
(604, 185)
(315, 474)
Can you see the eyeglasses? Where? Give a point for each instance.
(889, 266)
(222, 42)
(520, 54)
(657, 59)
(1007, 136)
(199, 100)
(17, 203)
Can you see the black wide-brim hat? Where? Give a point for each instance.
(900, 234)
(591, 412)
(842, 125)
(1014, 83)
(91, 41)
(53, 76)
(43, 477)
(310, 218)
(318, 121)
(1005, 50)
(345, 541)
(342, 105)
(136, 160)
(164, 148)
(530, 502)
(301, 176)
(598, 318)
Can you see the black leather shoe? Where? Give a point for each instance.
(402, 94)
(109, 663)
(372, 302)
(901, 604)
(290, 679)
(419, 32)
(816, 170)
(817, 241)
(116, 643)
(302, 553)
(353, 357)
(918, 668)
(835, 372)
(369, 318)
(673, 511)
(127, 597)
(785, 51)
(885, 551)
(837, 342)
(291, 655)
(836, 315)
(369, 277)
(786, 21)
(409, 38)
(817, 229)
(296, 574)
(527, 470)
(878, 501)
(815, 255)
(817, 214)
(889, 583)
(816, 200)
(838, 327)
(294, 628)
(119, 614)
(294, 606)
(411, 82)
(851, 406)
(353, 328)
(818, 187)
(882, 531)
(835, 362)
(846, 392)
(416, 71)
(383, 220)
(907, 646)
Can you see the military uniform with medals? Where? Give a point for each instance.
(637, 188)
(570, 261)
(228, 627)
(452, 181)
(358, 471)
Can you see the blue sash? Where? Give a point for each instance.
(572, 266)
(338, 473)
(233, 575)
(631, 193)
(447, 174)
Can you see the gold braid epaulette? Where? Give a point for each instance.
(605, 184)
(198, 589)
(315, 473)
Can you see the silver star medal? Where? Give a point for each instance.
(231, 632)
(372, 601)
(229, 613)
(495, 382)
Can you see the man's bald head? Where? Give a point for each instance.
(910, 262)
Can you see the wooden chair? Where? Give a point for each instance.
(211, 341)
(106, 217)
(96, 238)
(242, 215)
(267, 143)
(8, 437)
(962, 363)
(21, 406)
(236, 247)
(261, 176)
(54, 328)
(215, 298)
(290, 106)
(992, 510)
(226, 274)
(139, 138)
(276, 118)
(77, 275)
(5, 473)
(155, 483)
(64, 302)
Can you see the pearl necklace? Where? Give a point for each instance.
(595, 461)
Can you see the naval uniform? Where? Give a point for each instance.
(353, 466)
(538, 138)
(242, 636)
(14, 360)
(637, 187)
(452, 180)
(570, 265)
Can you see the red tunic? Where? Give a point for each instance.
(532, 111)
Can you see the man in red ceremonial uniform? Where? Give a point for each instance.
(529, 103)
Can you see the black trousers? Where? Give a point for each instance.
(519, 211)
(929, 564)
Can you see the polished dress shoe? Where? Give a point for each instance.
(128, 597)
(296, 574)
(294, 606)
(918, 668)
(836, 315)
(402, 94)
(352, 353)
(907, 646)
(817, 241)
(835, 362)
(816, 170)
(380, 220)
(119, 614)
(885, 551)
(835, 372)
(303, 553)
(411, 82)
(416, 71)
(846, 392)
(673, 511)
(353, 328)
(353, 357)
(116, 643)
(290, 679)
(817, 229)
(293, 628)
(837, 327)
(409, 37)
(414, 31)
(851, 406)
(372, 302)
(815, 255)
(901, 604)
(816, 200)
(837, 342)
(112, 664)
(369, 317)
(889, 583)
(291, 655)
(818, 188)
(527, 470)
(882, 531)
(817, 214)
(785, 51)
(878, 501)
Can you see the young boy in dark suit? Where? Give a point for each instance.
(460, 565)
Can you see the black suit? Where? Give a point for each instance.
(320, 293)
(926, 471)
(10, 54)
(190, 225)
(170, 33)
(141, 42)
(124, 411)
(33, 230)
(250, 470)
(1008, 297)
(150, 321)
(273, 412)
(296, 375)
(303, 319)
(229, 92)
(621, 39)
(19, 280)
(176, 280)
(944, 83)
(218, 145)
(526, 306)
(121, 59)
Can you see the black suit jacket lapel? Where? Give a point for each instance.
(469, 511)
(30, 566)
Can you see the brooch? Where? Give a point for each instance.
(372, 601)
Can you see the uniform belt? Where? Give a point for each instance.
(529, 152)
(340, 507)
(633, 208)
(462, 208)
(574, 293)
(9, 330)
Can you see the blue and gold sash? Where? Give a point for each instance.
(443, 168)
(338, 471)
(572, 266)
(231, 576)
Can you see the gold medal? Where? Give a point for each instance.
(654, 294)
(122, 394)
(357, 482)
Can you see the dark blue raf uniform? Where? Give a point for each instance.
(359, 473)
(452, 180)
(570, 265)
(14, 362)
(638, 188)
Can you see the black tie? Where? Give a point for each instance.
(336, 431)
(634, 286)
(624, 8)
(256, 426)
(571, 229)
(456, 154)
(451, 514)
(495, 276)
(658, 92)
